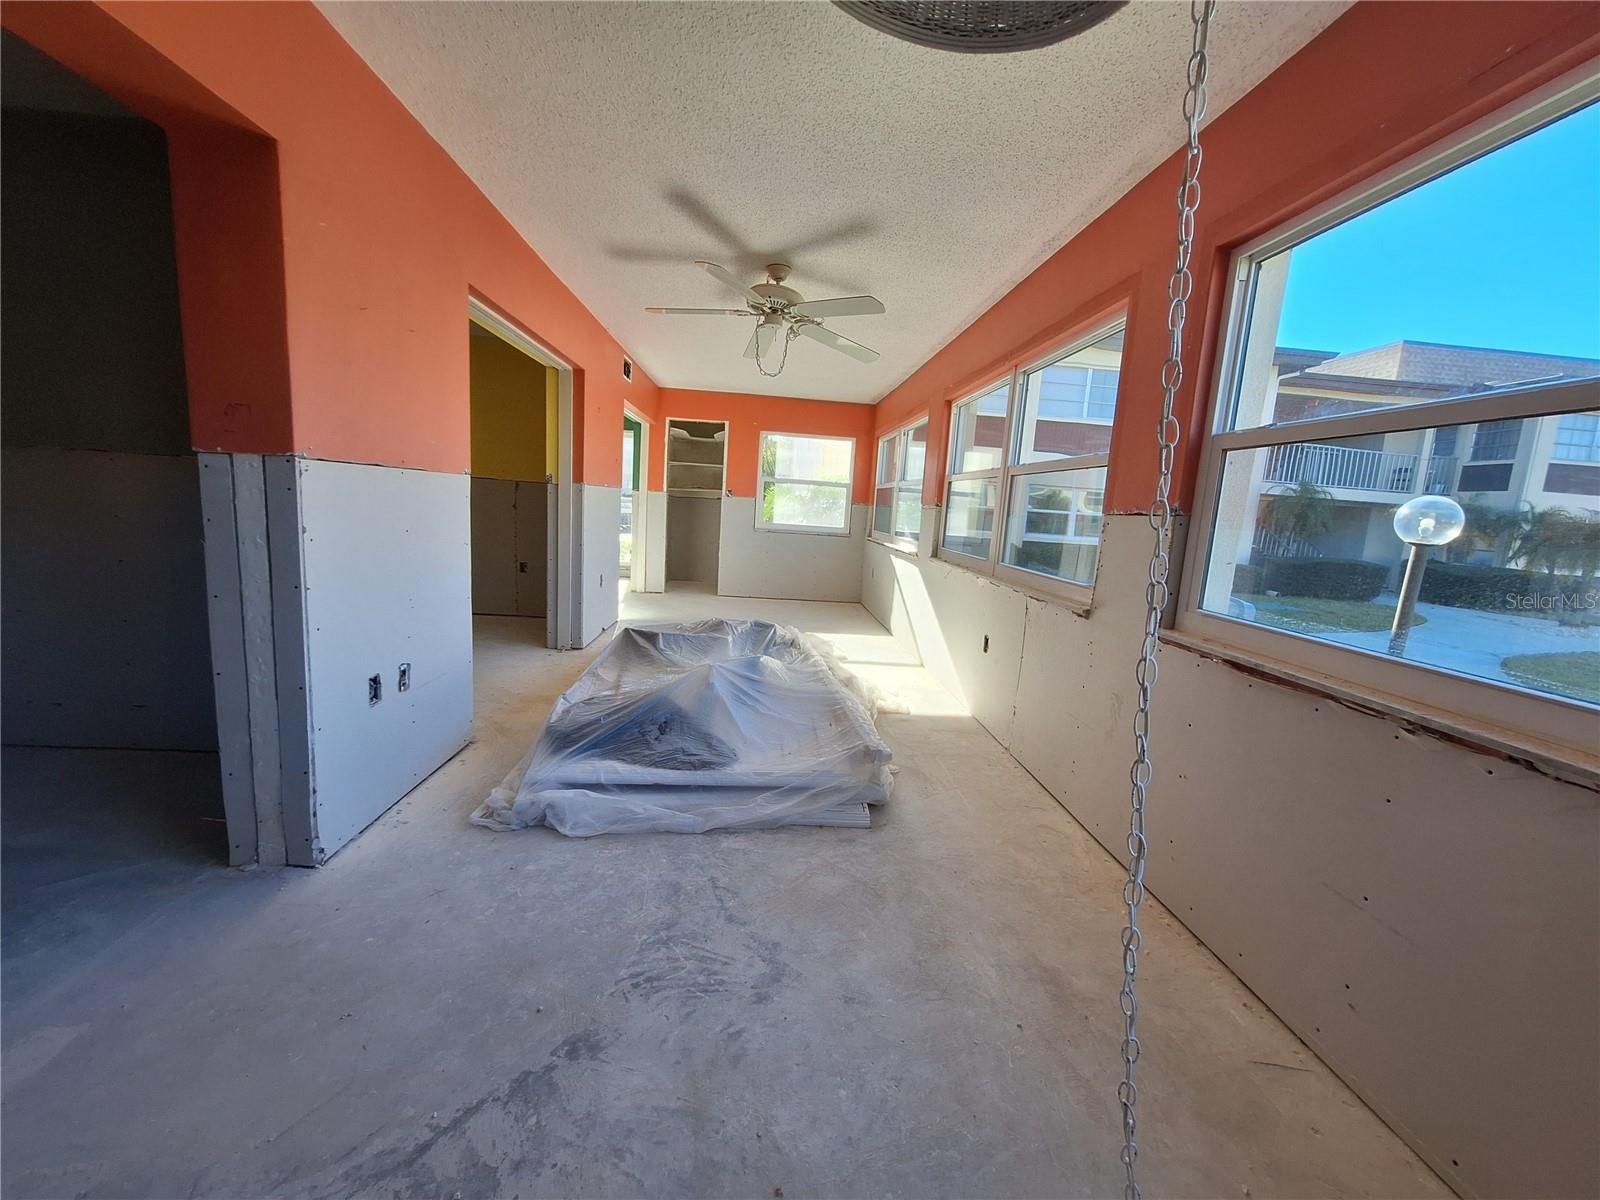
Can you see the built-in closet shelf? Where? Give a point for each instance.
(697, 454)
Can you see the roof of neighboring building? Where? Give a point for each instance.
(1290, 358)
(1366, 385)
(1462, 368)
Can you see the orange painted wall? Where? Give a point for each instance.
(376, 238)
(750, 416)
(1380, 84)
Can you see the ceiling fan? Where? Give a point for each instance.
(781, 310)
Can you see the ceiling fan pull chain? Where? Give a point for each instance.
(789, 336)
(1157, 589)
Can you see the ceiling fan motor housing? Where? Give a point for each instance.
(981, 26)
(777, 294)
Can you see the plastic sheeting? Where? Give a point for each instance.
(712, 725)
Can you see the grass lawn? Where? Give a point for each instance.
(1309, 613)
(1574, 674)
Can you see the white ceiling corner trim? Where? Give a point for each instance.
(625, 140)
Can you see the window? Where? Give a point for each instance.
(1496, 441)
(897, 502)
(1427, 381)
(1038, 440)
(1058, 532)
(978, 431)
(1578, 438)
(805, 483)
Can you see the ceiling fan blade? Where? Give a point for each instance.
(766, 334)
(754, 343)
(723, 275)
(839, 306)
(842, 344)
(701, 312)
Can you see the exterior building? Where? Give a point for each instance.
(1501, 466)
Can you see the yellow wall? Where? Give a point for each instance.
(511, 412)
(552, 415)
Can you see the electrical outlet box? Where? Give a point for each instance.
(374, 688)
(403, 684)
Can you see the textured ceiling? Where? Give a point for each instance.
(627, 140)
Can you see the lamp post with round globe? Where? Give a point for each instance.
(1421, 523)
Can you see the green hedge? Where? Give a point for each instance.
(1323, 578)
(1497, 589)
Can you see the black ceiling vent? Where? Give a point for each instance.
(627, 369)
(981, 26)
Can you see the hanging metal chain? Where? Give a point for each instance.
(1179, 288)
(789, 335)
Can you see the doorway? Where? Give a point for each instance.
(630, 531)
(696, 465)
(525, 423)
(111, 760)
(513, 475)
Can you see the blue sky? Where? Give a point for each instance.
(1502, 252)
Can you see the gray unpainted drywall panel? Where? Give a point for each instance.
(494, 546)
(531, 548)
(788, 566)
(255, 575)
(387, 570)
(230, 676)
(285, 530)
(694, 534)
(1422, 914)
(599, 558)
(106, 636)
(655, 543)
(510, 541)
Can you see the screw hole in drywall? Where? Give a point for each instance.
(986, 643)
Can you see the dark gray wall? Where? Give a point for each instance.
(105, 639)
(105, 635)
(510, 534)
(694, 534)
(89, 294)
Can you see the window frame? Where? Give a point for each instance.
(1458, 699)
(762, 479)
(1591, 448)
(898, 483)
(1075, 593)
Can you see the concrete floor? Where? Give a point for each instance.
(925, 1009)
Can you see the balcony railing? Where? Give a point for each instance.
(1357, 470)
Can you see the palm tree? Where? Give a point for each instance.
(1558, 541)
(1298, 514)
(1539, 540)
(1487, 528)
